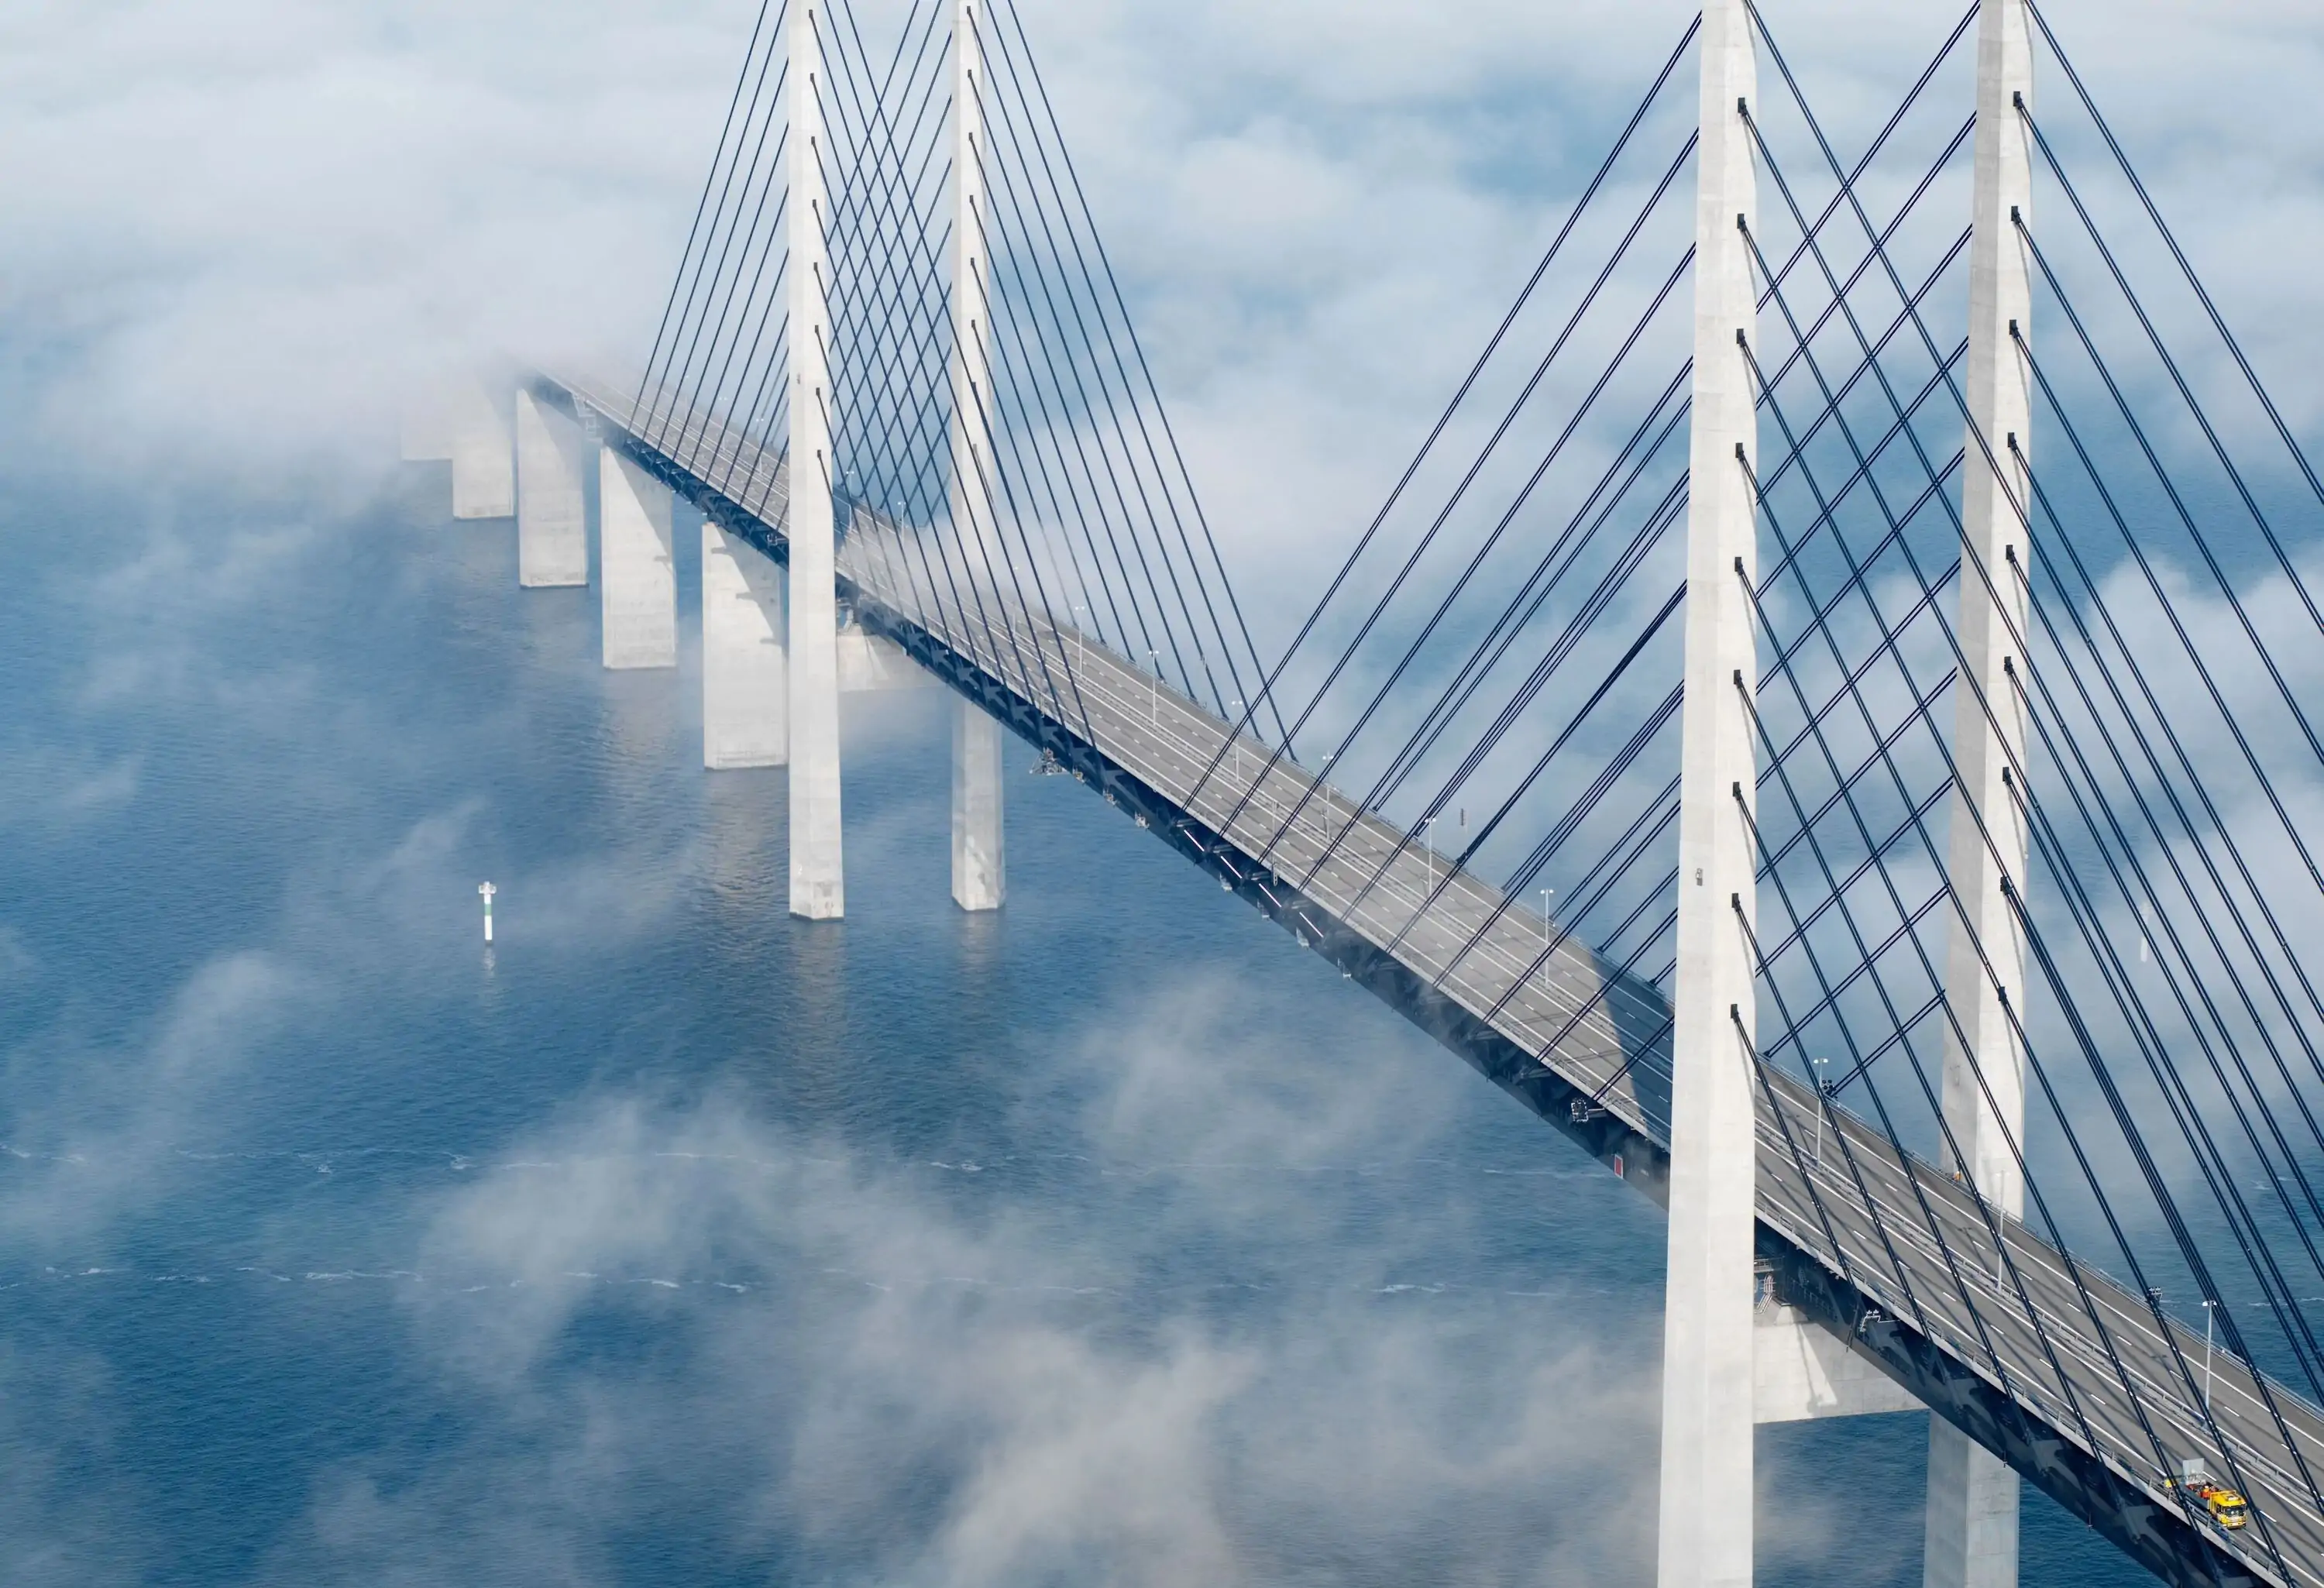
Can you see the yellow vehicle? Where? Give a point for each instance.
(2224, 1506)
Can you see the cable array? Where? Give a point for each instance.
(1480, 711)
(2167, 1029)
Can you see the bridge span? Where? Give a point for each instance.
(1894, 1263)
(896, 362)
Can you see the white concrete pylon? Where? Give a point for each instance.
(552, 528)
(978, 881)
(484, 467)
(1973, 1498)
(972, 362)
(979, 875)
(1705, 1524)
(746, 688)
(818, 887)
(639, 579)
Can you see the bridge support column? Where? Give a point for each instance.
(978, 879)
(633, 550)
(552, 529)
(745, 686)
(818, 887)
(1705, 1529)
(484, 474)
(1973, 1498)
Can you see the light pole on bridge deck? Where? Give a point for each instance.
(1154, 689)
(1234, 736)
(2210, 1309)
(1080, 640)
(1428, 843)
(1823, 1105)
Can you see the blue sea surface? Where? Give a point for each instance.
(670, 1241)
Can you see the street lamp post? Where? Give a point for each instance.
(1428, 843)
(1824, 1106)
(2209, 1308)
(1154, 689)
(1545, 893)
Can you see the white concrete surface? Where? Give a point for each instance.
(868, 664)
(1972, 1530)
(972, 487)
(483, 463)
(1705, 1522)
(979, 876)
(639, 579)
(552, 524)
(979, 879)
(745, 686)
(1973, 1498)
(1801, 1370)
(818, 886)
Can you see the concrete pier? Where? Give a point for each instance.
(818, 886)
(552, 529)
(1973, 1505)
(745, 686)
(1973, 1499)
(1705, 1527)
(640, 582)
(484, 464)
(979, 879)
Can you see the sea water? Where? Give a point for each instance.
(1109, 1239)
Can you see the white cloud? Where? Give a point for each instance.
(92, 1125)
(239, 231)
(62, 1511)
(857, 1363)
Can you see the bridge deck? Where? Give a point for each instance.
(1899, 1255)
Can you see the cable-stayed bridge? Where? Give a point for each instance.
(1887, 852)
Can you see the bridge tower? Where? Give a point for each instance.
(1972, 1520)
(978, 880)
(818, 891)
(1708, 1340)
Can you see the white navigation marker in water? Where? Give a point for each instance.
(487, 890)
